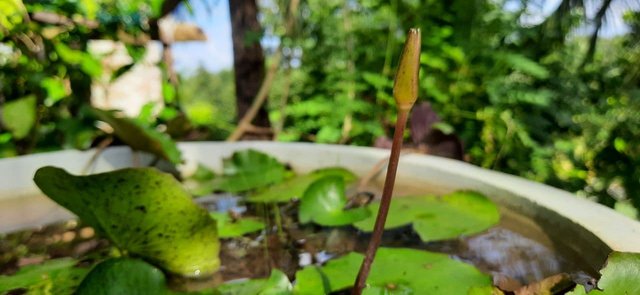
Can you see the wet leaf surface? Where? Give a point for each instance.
(295, 187)
(142, 211)
(249, 169)
(438, 217)
(140, 137)
(229, 228)
(421, 271)
(123, 276)
(324, 202)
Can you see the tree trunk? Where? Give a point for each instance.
(248, 58)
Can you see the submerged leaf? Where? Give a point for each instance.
(324, 202)
(142, 211)
(397, 271)
(59, 276)
(228, 228)
(249, 169)
(295, 187)
(140, 137)
(123, 276)
(276, 284)
(439, 218)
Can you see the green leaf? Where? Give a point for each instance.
(11, 12)
(620, 275)
(249, 169)
(57, 275)
(276, 284)
(294, 188)
(88, 64)
(140, 137)
(324, 202)
(55, 90)
(403, 269)
(228, 228)
(123, 276)
(438, 218)
(314, 282)
(142, 211)
(522, 63)
(19, 116)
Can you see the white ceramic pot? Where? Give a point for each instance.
(584, 230)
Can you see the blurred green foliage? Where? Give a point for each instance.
(523, 99)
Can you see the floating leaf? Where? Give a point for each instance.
(123, 276)
(142, 211)
(620, 275)
(228, 228)
(249, 169)
(439, 218)
(324, 202)
(276, 284)
(57, 275)
(19, 116)
(201, 182)
(295, 187)
(140, 137)
(401, 268)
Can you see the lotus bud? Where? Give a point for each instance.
(405, 88)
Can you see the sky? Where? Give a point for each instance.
(216, 54)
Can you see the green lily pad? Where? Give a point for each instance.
(295, 187)
(324, 202)
(404, 269)
(142, 211)
(123, 276)
(58, 276)
(140, 137)
(228, 228)
(620, 275)
(201, 182)
(19, 116)
(249, 169)
(276, 284)
(439, 217)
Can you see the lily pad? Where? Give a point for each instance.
(123, 276)
(58, 276)
(405, 269)
(142, 211)
(295, 187)
(620, 275)
(276, 284)
(439, 217)
(324, 202)
(19, 116)
(249, 169)
(228, 228)
(141, 137)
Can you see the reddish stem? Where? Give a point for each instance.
(385, 202)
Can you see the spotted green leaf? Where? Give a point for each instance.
(143, 212)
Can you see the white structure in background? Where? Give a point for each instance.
(142, 84)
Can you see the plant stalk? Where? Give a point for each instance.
(385, 202)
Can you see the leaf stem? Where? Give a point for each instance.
(385, 202)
